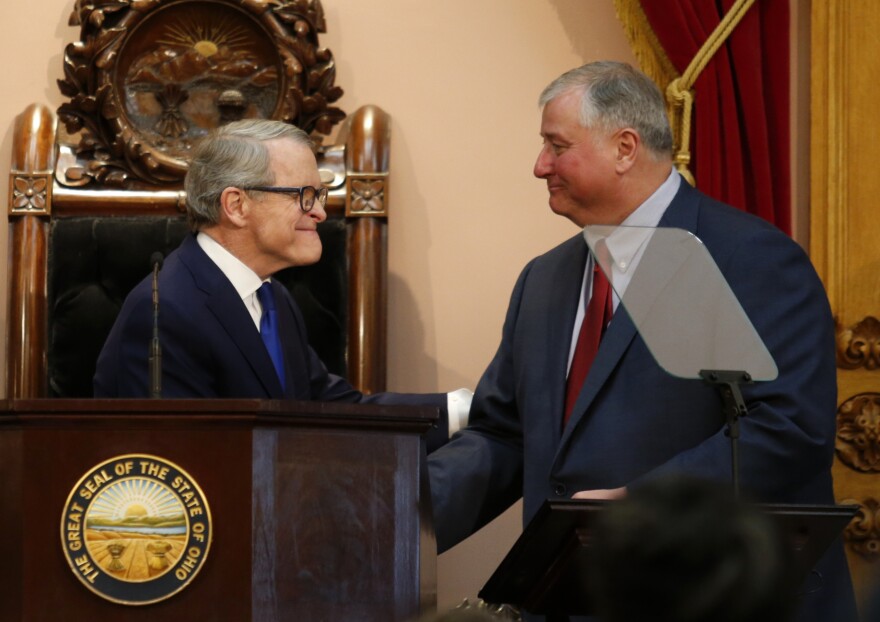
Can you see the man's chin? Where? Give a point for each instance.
(308, 257)
(557, 207)
(564, 209)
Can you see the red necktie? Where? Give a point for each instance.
(596, 319)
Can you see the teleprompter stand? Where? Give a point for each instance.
(734, 407)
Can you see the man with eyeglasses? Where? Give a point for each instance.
(254, 201)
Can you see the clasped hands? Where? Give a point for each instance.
(604, 494)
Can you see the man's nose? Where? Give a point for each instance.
(318, 211)
(544, 164)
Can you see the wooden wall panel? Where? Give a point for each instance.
(845, 229)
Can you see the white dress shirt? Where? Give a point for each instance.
(624, 250)
(243, 279)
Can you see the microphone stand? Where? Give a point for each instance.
(155, 347)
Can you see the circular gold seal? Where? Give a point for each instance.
(136, 529)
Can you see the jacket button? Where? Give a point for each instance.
(560, 490)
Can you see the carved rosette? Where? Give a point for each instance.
(30, 193)
(858, 432)
(150, 77)
(859, 345)
(365, 194)
(863, 532)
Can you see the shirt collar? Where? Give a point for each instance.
(243, 279)
(636, 229)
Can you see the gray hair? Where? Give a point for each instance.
(615, 95)
(233, 155)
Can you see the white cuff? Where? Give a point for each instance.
(458, 406)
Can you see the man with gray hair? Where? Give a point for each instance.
(574, 404)
(254, 201)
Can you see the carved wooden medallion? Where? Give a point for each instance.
(365, 194)
(859, 345)
(858, 432)
(30, 194)
(150, 77)
(863, 533)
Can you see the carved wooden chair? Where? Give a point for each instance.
(92, 197)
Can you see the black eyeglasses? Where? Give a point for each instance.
(306, 194)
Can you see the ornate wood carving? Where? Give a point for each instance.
(858, 432)
(367, 152)
(859, 345)
(30, 193)
(149, 77)
(863, 533)
(365, 194)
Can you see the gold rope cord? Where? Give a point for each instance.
(679, 89)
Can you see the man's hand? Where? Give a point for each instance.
(606, 494)
(458, 407)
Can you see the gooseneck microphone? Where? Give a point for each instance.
(156, 260)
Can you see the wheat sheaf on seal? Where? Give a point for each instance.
(136, 529)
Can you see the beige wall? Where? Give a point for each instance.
(460, 79)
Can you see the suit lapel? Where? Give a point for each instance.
(614, 344)
(563, 293)
(226, 305)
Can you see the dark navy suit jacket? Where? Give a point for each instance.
(632, 420)
(211, 347)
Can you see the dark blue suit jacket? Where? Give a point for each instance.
(632, 420)
(211, 347)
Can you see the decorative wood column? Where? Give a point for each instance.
(366, 205)
(845, 227)
(30, 204)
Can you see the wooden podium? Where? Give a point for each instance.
(319, 511)
(546, 570)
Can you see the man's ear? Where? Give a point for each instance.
(628, 143)
(234, 206)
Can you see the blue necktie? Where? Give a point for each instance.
(269, 329)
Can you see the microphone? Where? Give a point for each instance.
(156, 260)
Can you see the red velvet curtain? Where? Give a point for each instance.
(740, 133)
